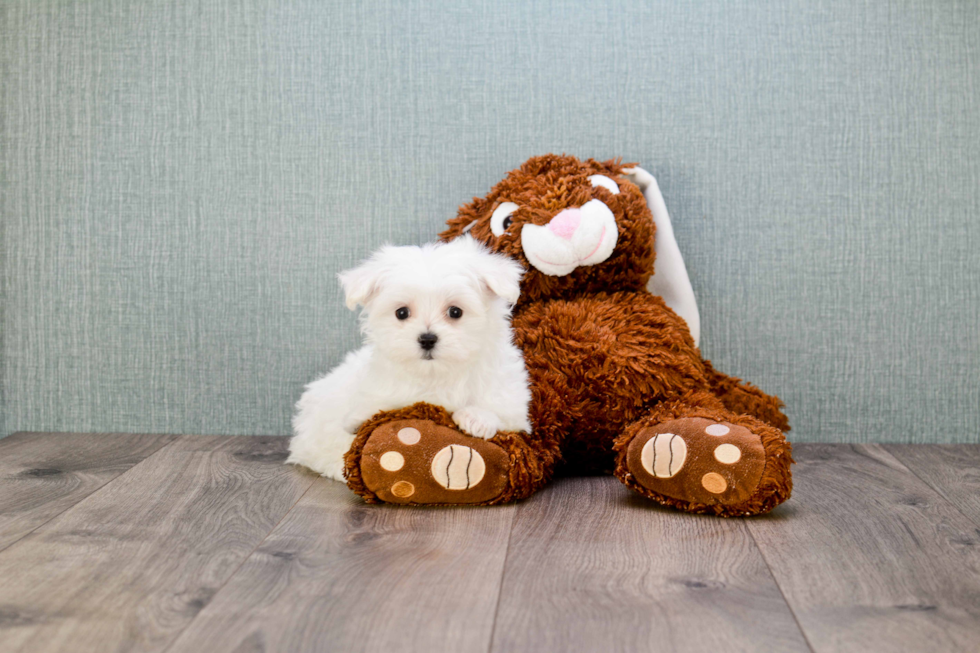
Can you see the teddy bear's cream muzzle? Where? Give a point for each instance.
(577, 236)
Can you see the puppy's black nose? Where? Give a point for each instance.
(428, 340)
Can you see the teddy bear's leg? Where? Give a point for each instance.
(745, 399)
(417, 455)
(705, 459)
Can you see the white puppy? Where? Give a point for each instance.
(437, 329)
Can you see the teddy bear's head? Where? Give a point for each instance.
(577, 226)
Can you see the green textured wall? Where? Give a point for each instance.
(181, 181)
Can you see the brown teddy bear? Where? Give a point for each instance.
(618, 383)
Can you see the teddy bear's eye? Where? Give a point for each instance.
(605, 182)
(501, 218)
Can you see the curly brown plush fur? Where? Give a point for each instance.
(606, 358)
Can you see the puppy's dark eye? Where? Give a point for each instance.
(455, 312)
(507, 222)
(403, 313)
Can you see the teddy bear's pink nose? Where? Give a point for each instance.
(565, 223)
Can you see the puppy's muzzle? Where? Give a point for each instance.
(427, 341)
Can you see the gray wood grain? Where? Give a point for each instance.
(952, 470)
(338, 574)
(595, 567)
(870, 558)
(129, 567)
(43, 474)
(198, 543)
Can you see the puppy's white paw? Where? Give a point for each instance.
(328, 463)
(478, 422)
(352, 422)
(334, 471)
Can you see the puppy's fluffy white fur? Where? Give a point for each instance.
(474, 370)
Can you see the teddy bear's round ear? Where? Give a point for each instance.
(670, 280)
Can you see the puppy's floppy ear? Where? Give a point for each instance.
(500, 274)
(362, 283)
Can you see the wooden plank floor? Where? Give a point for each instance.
(113, 542)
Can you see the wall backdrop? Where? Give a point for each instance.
(182, 180)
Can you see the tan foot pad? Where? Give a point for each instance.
(418, 461)
(698, 460)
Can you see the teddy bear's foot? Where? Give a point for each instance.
(699, 464)
(418, 461)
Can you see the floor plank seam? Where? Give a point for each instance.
(503, 573)
(240, 565)
(789, 606)
(932, 487)
(87, 496)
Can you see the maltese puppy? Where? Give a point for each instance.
(436, 328)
